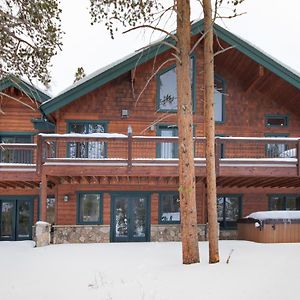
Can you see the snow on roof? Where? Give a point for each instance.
(275, 214)
(89, 135)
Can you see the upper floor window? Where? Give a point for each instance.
(169, 149)
(13, 155)
(229, 210)
(219, 99)
(87, 149)
(167, 89)
(284, 202)
(276, 121)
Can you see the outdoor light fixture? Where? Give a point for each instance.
(66, 198)
(124, 113)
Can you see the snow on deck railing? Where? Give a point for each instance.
(88, 135)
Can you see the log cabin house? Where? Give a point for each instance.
(101, 166)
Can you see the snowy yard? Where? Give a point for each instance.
(144, 271)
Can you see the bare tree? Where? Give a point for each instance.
(149, 14)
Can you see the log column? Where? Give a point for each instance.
(43, 198)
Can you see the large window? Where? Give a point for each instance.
(167, 89)
(16, 156)
(284, 202)
(169, 207)
(229, 210)
(89, 208)
(167, 150)
(91, 150)
(277, 149)
(219, 99)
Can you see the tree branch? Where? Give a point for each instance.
(154, 28)
(151, 77)
(17, 100)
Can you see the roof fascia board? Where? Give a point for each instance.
(25, 87)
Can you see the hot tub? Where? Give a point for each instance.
(270, 227)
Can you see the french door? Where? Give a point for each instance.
(16, 219)
(130, 217)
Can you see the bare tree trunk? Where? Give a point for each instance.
(210, 133)
(190, 250)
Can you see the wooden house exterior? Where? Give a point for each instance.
(111, 163)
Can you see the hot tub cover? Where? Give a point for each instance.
(275, 214)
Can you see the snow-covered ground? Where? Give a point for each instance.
(144, 271)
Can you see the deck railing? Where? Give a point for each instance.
(15, 153)
(130, 149)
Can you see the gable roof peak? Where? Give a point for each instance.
(114, 70)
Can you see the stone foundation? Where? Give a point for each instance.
(171, 233)
(228, 235)
(64, 234)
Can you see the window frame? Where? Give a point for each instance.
(159, 128)
(78, 208)
(277, 116)
(285, 196)
(104, 123)
(160, 207)
(232, 225)
(224, 89)
(271, 135)
(193, 81)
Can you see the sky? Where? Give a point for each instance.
(271, 25)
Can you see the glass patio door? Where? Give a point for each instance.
(130, 221)
(7, 230)
(16, 219)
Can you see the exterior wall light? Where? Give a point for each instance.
(66, 198)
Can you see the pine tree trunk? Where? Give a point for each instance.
(190, 250)
(210, 133)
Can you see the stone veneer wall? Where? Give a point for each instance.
(228, 235)
(171, 232)
(63, 234)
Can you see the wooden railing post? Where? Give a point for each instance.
(217, 154)
(298, 157)
(129, 147)
(39, 153)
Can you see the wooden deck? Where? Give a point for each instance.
(240, 161)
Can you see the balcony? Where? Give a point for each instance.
(67, 158)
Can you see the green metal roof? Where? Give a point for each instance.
(28, 89)
(106, 74)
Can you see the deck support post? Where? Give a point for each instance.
(298, 158)
(43, 198)
(129, 155)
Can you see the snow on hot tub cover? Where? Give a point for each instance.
(275, 214)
